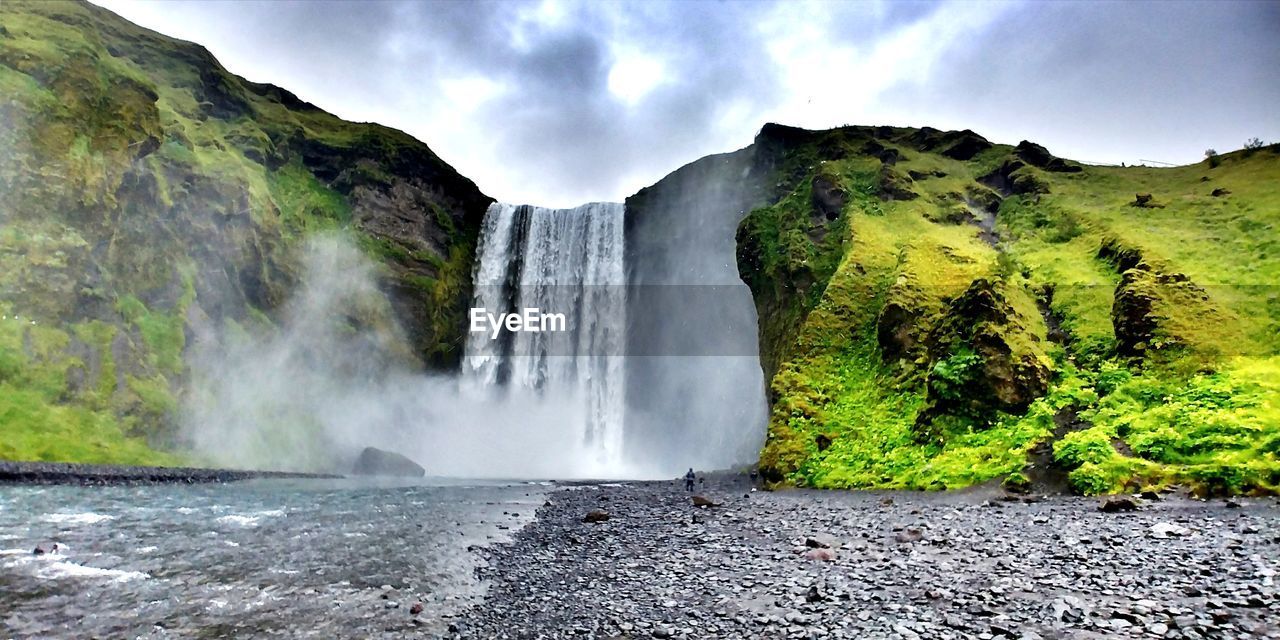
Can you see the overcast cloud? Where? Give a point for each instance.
(559, 103)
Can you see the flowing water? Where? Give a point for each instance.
(561, 261)
(296, 558)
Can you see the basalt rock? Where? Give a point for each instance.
(1118, 504)
(1015, 177)
(1142, 302)
(965, 145)
(1005, 369)
(886, 155)
(1037, 156)
(893, 185)
(596, 515)
(828, 197)
(1145, 201)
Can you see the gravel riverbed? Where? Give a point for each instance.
(804, 564)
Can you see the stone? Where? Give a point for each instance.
(416, 608)
(1118, 504)
(596, 515)
(909, 535)
(703, 502)
(1163, 530)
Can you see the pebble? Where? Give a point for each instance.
(916, 565)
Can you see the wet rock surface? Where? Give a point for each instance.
(900, 565)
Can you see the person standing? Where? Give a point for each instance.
(688, 479)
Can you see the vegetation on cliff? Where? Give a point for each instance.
(938, 311)
(149, 198)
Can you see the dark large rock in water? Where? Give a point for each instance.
(376, 462)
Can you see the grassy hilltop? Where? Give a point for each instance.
(147, 195)
(938, 311)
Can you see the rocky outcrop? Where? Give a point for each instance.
(964, 145)
(997, 367)
(1037, 156)
(1145, 298)
(1014, 177)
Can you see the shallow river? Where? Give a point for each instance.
(290, 558)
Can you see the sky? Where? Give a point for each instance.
(557, 103)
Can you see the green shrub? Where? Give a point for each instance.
(949, 378)
(1083, 447)
(1090, 480)
(1111, 376)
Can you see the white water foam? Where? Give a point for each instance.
(87, 517)
(239, 520)
(64, 569)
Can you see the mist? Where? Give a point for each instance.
(333, 376)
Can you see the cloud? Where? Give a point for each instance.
(557, 103)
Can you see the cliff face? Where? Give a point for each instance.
(148, 196)
(937, 310)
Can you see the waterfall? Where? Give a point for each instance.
(559, 261)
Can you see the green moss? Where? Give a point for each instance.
(1197, 406)
(35, 429)
(306, 205)
(163, 333)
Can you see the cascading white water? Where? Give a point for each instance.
(559, 261)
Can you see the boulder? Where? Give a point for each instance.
(376, 462)
(967, 145)
(1165, 530)
(596, 515)
(1118, 504)
(700, 501)
(818, 542)
(1145, 201)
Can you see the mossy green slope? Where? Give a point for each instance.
(146, 193)
(938, 311)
